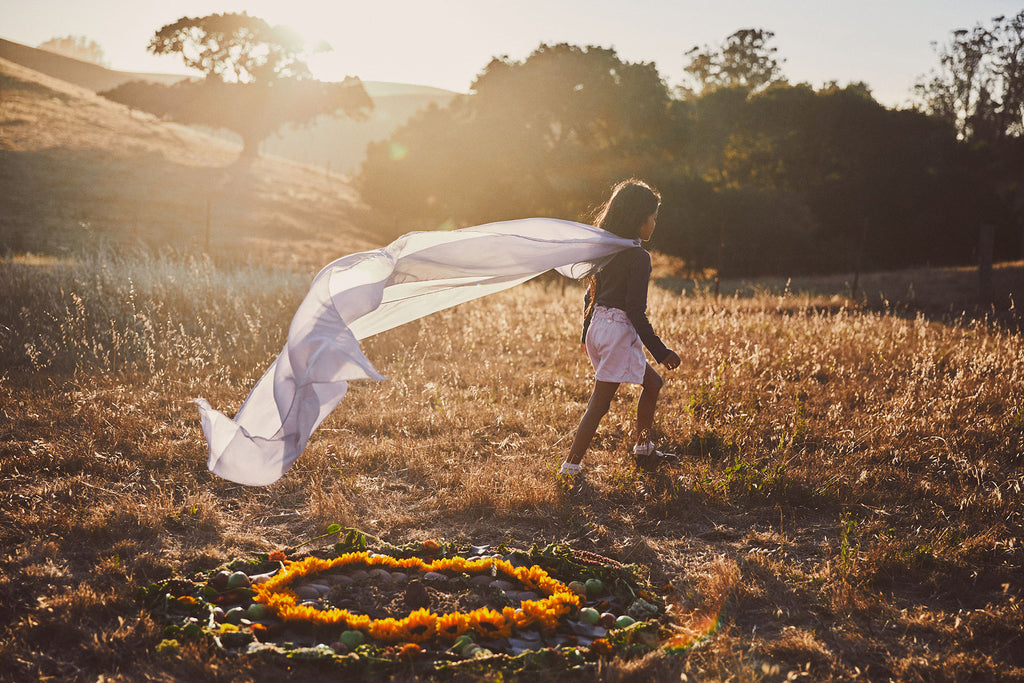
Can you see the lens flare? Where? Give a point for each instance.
(397, 151)
(696, 627)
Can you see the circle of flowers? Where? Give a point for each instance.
(422, 624)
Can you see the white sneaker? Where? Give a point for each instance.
(647, 458)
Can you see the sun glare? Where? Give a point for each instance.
(363, 40)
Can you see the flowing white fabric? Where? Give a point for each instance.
(362, 294)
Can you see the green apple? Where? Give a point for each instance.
(589, 615)
(238, 580)
(352, 639)
(258, 611)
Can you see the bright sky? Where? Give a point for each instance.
(446, 43)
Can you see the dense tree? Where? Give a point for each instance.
(758, 176)
(798, 180)
(542, 136)
(979, 85)
(744, 60)
(255, 79)
(978, 89)
(78, 47)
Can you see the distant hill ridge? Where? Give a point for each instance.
(77, 169)
(86, 74)
(334, 142)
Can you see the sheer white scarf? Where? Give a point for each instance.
(362, 294)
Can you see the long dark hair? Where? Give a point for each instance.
(630, 205)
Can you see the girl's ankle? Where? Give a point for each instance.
(643, 448)
(570, 468)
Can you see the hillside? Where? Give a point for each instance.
(77, 167)
(86, 74)
(335, 143)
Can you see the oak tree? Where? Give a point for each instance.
(255, 79)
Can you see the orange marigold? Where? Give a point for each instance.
(601, 646)
(410, 651)
(452, 625)
(489, 624)
(422, 625)
(277, 556)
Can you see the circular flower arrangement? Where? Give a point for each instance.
(435, 605)
(422, 624)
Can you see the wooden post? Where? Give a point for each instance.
(859, 259)
(721, 244)
(986, 245)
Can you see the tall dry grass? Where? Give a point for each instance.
(848, 504)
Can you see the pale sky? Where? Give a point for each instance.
(446, 43)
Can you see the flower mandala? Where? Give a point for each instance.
(511, 610)
(421, 625)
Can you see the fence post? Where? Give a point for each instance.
(986, 245)
(721, 245)
(859, 259)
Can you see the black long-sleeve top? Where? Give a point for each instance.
(622, 284)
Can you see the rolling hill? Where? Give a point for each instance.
(336, 144)
(76, 169)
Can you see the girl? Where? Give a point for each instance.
(616, 329)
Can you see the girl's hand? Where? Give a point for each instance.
(671, 361)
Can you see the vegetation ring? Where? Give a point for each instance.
(422, 625)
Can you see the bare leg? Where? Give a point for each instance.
(598, 406)
(646, 405)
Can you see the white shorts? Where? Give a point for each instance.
(615, 348)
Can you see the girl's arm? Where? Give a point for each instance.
(639, 277)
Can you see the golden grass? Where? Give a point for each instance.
(848, 505)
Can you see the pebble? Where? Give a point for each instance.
(434, 576)
(501, 585)
(359, 575)
(307, 592)
(399, 577)
(382, 575)
(257, 579)
(481, 580)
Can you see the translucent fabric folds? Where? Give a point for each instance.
(362, 294)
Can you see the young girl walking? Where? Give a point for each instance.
(616, 328)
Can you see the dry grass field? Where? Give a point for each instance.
(848, 505)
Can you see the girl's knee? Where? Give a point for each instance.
(653, 381)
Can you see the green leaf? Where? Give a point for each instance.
(334, 528)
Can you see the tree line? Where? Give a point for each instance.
(758, 175)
